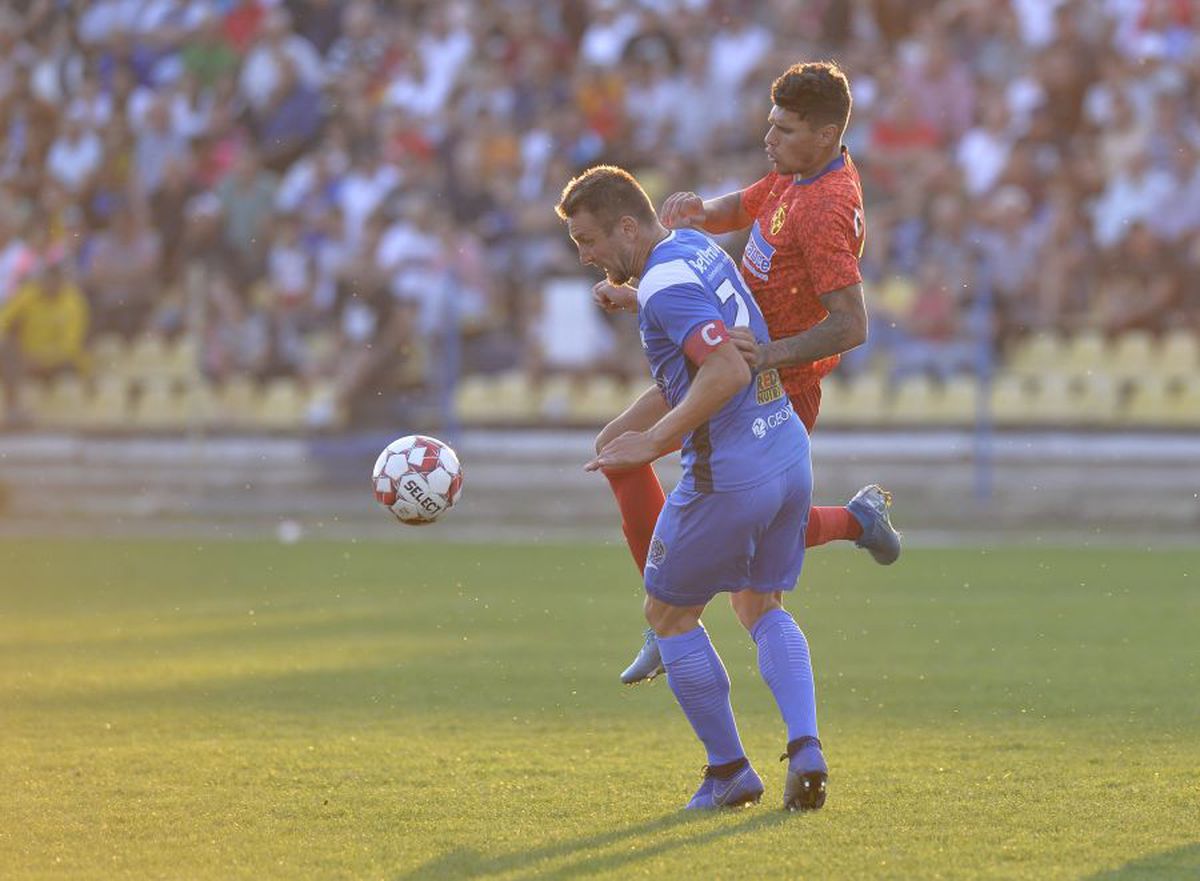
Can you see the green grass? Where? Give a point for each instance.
(239, 710)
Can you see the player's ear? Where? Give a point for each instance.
(829, 135)
(628, 225)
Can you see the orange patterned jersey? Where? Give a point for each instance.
(807, 236)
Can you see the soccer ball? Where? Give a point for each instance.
(417, 478)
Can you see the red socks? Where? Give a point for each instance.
(640, 498)
(830, 524)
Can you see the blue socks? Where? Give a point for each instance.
(701, 685)
(785, 666)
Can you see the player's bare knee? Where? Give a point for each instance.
(668, 620)
(750, 605)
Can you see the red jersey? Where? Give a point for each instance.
(807, 236)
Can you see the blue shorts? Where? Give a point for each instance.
(706, 543)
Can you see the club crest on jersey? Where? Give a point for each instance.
(768, 387)
(658, 552)
(777, 219)
(758, 254)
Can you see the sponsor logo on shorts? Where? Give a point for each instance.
(658, 552)
(761, 426)
(768, 387)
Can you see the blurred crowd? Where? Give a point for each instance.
(324, 189)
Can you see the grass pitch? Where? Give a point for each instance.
(240, 710)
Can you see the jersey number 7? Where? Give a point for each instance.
(726, 290)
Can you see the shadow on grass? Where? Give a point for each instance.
(570, 858)
(1182, 862)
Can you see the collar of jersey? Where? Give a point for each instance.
(834, 165)
(670, 238)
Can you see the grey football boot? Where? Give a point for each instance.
(648, 663)
(870, 508)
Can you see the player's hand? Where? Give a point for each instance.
(748, 347)
(629, 450)
(615, 298)
(683, 210)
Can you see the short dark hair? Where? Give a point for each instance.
(816, 91)
(608, 193)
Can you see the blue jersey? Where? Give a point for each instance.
(689, 294)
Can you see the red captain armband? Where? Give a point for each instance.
(701, 341)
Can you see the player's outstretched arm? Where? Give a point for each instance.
(650, 407)
(844, 328)
(722, 375)
(716, 216)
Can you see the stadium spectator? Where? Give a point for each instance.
(265, 67)
(43, 326)
(123, 272)
(75, 155)
(247, 201)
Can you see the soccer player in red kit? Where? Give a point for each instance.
(807, 230)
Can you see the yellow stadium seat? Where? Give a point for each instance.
(1179, 354)
(1037, 353)
(507, 398)
(1149, 403)
(1010, 399)
(1164, 402)
(323, 409)
(554, 401)
(198, 406)
(516, 401)
(864, 402)
(148, 358)
(158, 407)
(922, 401)
(1087, 354)
(282, 407)
(914, 402)
(32, 398)
(1074, 401)
(182, 360)
(1133, 355)
(634, 390)
(321, 345)
(107, 408)
(602, 398)
(413, 363)
(833, 397)
(109, 353)
(237, 402)
(957, 402)
(1185, 412)
(63, 405)
(473, 399)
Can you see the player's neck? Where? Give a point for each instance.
(654, 235)
(819, 164)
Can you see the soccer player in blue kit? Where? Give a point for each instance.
(735, 523)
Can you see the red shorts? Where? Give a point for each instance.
(807, 404)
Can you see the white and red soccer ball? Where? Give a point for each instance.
(417, 478)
